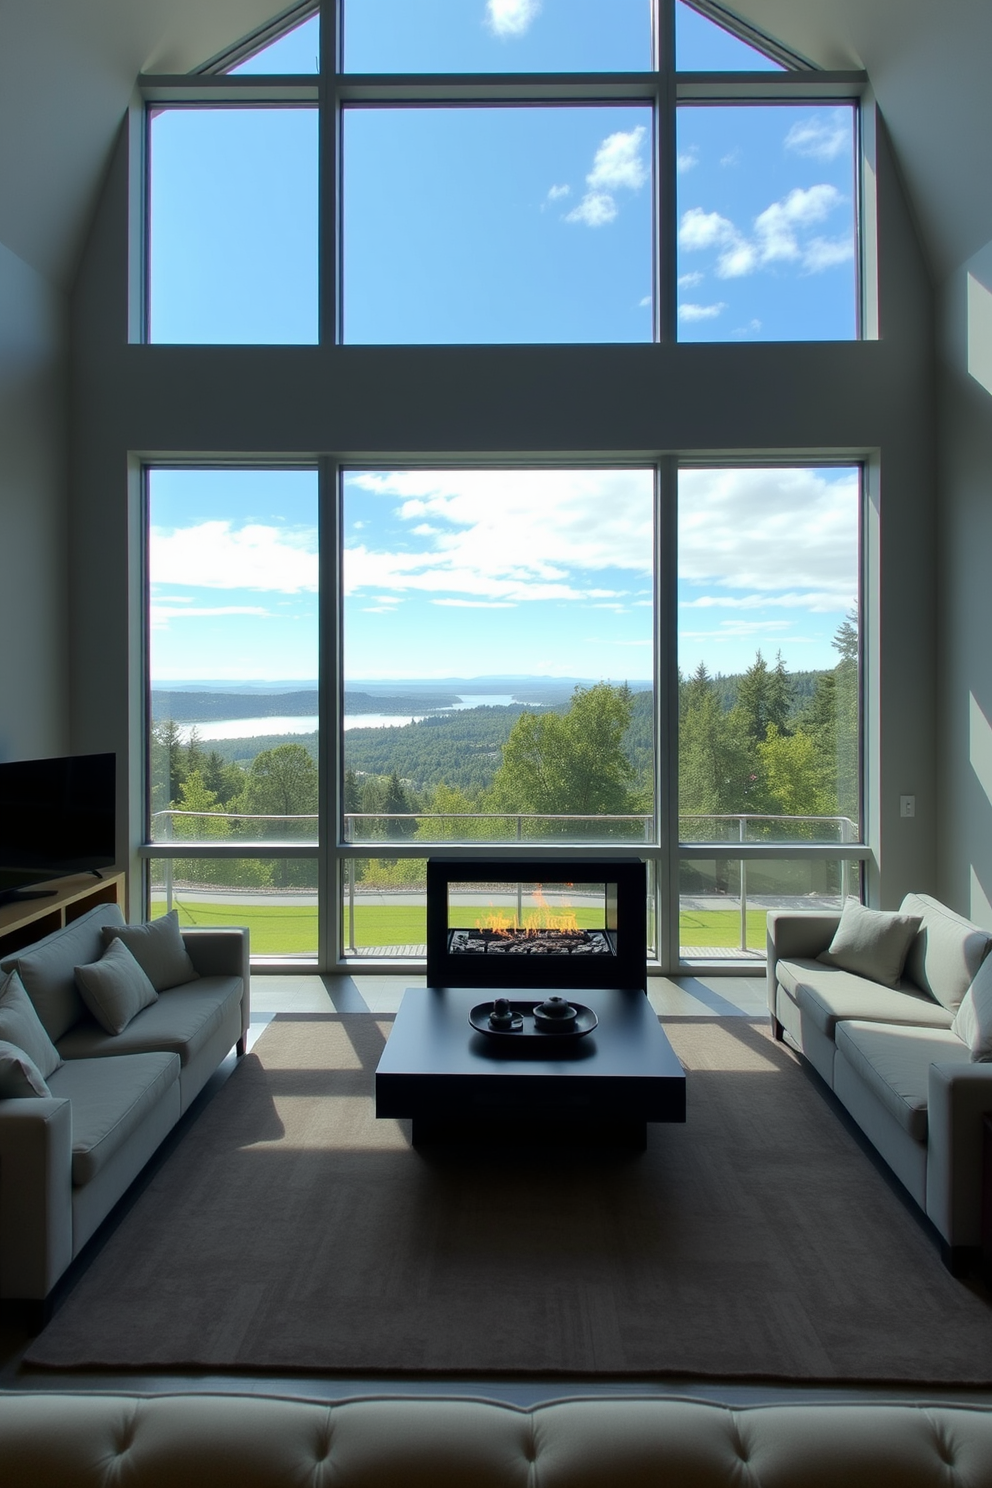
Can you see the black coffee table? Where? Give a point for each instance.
(459, 1085)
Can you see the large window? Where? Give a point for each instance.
(233, 700)
(585, 645)
(769, 666)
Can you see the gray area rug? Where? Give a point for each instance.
(290, 1230)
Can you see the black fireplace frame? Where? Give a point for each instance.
(626, 901)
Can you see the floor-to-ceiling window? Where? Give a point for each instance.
(611, 654)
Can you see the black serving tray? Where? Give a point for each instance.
(585, 1022)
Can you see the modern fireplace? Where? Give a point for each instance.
(536, 923)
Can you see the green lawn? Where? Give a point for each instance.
(290, 930)
(282, 930)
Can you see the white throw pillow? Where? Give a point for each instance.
(21, 1026)
(115, 988)
(973, 1019)
(158, 949)
(871, 942)
(19, 1075)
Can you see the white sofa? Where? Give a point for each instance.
(55, 1439)
(66, 1158)
(890, 1055)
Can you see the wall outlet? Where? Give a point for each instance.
(907, 805)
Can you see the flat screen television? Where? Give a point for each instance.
(57, 817)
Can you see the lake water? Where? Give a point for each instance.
(250, 728)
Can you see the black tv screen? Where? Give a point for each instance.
(57, 816)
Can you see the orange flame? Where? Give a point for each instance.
(542, 918)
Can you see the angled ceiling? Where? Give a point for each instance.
(67, 71)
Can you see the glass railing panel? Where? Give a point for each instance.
(724, 902)
(384, 908)
(276, 898)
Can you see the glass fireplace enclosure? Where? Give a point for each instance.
(527, 923)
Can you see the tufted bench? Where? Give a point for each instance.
(56, 1440)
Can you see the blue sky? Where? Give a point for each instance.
(476, 573)
(503, 224)
(512, 224)
(233, 575)
(468, 573)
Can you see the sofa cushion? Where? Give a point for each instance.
(895, 1063)
(115, 988)
(181, 1021)
(947, 952)
(158, 949)
(19, 1075)
(973, 1019)
(110, 1099)
(871, 943)
(21, 1026)
(48, 968)
(826, 994)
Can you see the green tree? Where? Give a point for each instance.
(168, 768)
(570, 763)
(443, 803)
(282, 782)
(225, 780)
(796, 776)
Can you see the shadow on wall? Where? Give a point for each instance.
(980, 805)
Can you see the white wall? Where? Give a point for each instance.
(34, 696)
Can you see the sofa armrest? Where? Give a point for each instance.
(223, 952)
(35, 1195)
(792, 933)
(959, 1096)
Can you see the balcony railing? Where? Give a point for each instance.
(191, 835)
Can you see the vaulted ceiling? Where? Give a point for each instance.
(67, 70)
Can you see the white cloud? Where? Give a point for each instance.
(732, 157)
(687, 160)
(161, 614)
(822, 136)
(596, 209)
(510, 537)
(824, 253)
(556, 193)
(778, 234)
(689, 281)
(617, 166)
(475, 604)
(751, 329)
(732, 629)
(824, 603)
(645, 303)
(701, 312)
(771, 531)
(775, 227)
(699, 229)
(618, 162)
(426, 530)
(216, 555)
(511, 17)
(740, 259)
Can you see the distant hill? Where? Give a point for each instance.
(212, 707)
